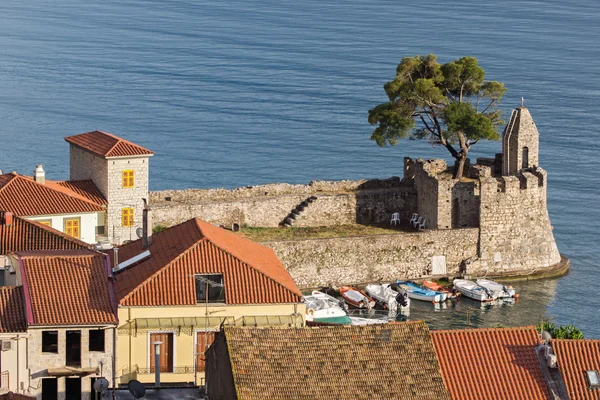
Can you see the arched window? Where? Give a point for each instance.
(525, 157)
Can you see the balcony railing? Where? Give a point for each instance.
(168, 370)
(4, 380)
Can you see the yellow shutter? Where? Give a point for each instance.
(127, 178)
(72, 227)
(127, 216)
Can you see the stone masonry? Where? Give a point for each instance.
(40, 362)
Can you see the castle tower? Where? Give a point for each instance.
(119, 169)
(520, 143)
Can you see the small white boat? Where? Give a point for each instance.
(366, 321)
(473, 291)
(417, 292)
(499, 289)
(321, 307)
(388, 298)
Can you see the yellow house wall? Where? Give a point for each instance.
(133, 351)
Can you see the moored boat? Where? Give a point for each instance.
(356, 298)
(473, 291)
(450, 293)
(502, 291)
(387, 298)
(321, 307)
(417, 292)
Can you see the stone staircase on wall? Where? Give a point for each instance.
(290, 219)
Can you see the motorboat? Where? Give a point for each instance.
(473, 291)
(321, 307)
(502, 291)
(417, 292)
(389, 298)
(356, 298)
(450, 293)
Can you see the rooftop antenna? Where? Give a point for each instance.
(100, 385)
(136, 389)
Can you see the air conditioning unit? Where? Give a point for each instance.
(551, 359)
(6, 345)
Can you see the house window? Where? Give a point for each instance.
(128, 180)
(525, 158)
(72, 227)
(96, 340)
(127, 216)
(210, 288)
(50, 342)
(47, 222)
(166, 352)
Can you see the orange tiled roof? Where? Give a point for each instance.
(252, 273)
(391, 361)
(66, 287)
(12, 310)
(107, 145)
(25, 197)
(85, 188)
(574, 357)
(496, 363)
(25, 235)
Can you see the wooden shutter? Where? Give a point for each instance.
(166, 351)
(203, 341)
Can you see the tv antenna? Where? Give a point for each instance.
(136, 389)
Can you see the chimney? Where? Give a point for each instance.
(8, 218)
(146, 240)
(39, 175)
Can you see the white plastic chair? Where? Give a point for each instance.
(395, 219)
(414, 218)
(417, 222)
(421, 226)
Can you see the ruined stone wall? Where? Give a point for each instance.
(515, 230)
(353, 260)
(365, 202)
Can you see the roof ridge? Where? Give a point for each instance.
(14, 174)
(61, 189)
(488, 329)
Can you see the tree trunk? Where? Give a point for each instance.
(459, 165)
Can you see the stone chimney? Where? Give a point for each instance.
(8, 218)
(39, 175)
(146, 237)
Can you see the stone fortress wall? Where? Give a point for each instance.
(486, 223)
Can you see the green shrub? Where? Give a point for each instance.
(159, 228)
(562, 331)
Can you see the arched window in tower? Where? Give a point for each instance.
(525, 157)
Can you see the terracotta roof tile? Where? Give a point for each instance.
(107, 145)
(497, 363)
(24, 235)
(252, 273)
(67, 287)
(12, 310)
(391, 361)
(85, 188)
(25, 197)
(574, 358)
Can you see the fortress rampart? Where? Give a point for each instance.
(489, 222)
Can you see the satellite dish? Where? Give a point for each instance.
(139, 232)
(136, 389)
(100, 385)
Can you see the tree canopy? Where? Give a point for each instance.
(450, 104)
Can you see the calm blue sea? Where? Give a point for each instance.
(245, 92)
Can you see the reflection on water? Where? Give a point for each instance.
(529, 309)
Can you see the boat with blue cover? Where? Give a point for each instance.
(417, 292)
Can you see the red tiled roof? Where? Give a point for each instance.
(497, 363)
(12, 310)
(25, 235)
(107, 145)
(25, 197)
(85, 188)
(391, 361)
(66, 287)
(574, 358)
(15, 396)
(252, 273)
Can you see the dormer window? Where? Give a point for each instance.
(210, 288)
(593, 379)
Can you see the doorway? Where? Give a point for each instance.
(166, 351)
(49, 389)
(73, 348)
(73, 388)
